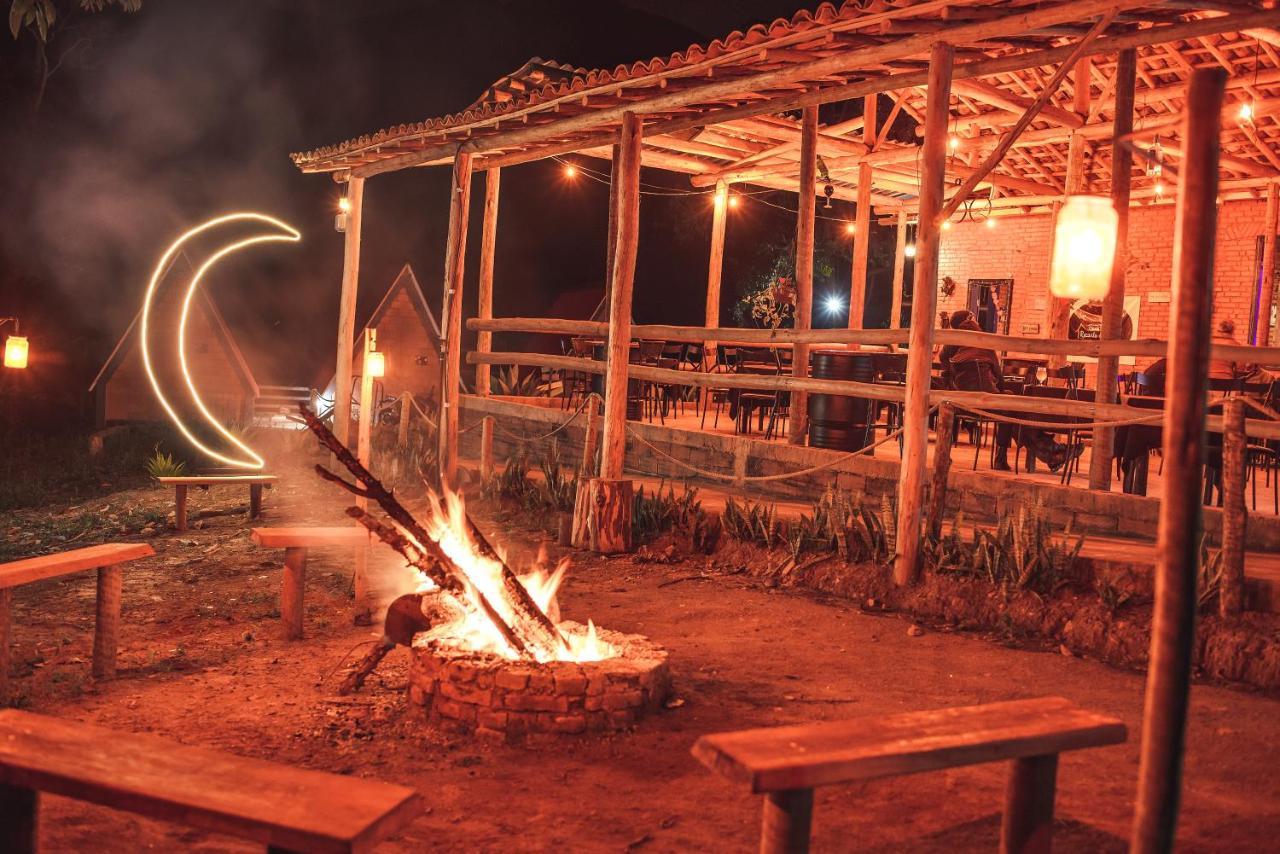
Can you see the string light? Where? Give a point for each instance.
(570, 171)
(953, 142)
(946, 225)
(734, 201)
(850, 228)
(991, 222)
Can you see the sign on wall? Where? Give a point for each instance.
(1085, 324)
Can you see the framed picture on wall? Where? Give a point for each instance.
(989, 301)
(1085, 324)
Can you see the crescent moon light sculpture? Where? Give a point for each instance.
(285, 233)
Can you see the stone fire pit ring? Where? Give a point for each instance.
(495, 697)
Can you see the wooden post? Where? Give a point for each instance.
(180, 507)
(291, 592)
(915, 415)
(945, 430)
(788, 816)
(347, 311)
(363, 611)
(611, 236)
(6, 654)
(484, 310)
(1268, 266)
(406, 413)
(455, 257)
(1027, 827)
(19, 819)
(609, 516)
(805, 211)
(899, 272)
(580, 537)
(1113, 303)
(1235, 516)
(614, 441)
(107, 625)
(1164, 719)
(715, 266)
(862, 220)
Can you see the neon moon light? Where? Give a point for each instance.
(283, 232)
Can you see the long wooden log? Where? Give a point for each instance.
(806, 208)
(1270, 224)
(1235, 515)
(715, 264)
(899, 271)
(484, 308)
(945, 429)
(347, 310)
(455, 256)
(1164, 720)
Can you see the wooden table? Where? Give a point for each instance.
(181, 484)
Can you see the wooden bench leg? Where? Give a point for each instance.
(19, 808)
(362, 614)
(106, 630)
(295, 579)
(180, 507)
(255, 500)
(1028, 808)
(788, 816)
(6, 605)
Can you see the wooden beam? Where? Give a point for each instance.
(915, 416)
(484, 309)
(1164, 719)
(347, 311)
(1113, 303)
(997, 97)
(715, 264)
(1269, 226)
(899, 271)
(614, 440)
(455, 257)
(806, 209)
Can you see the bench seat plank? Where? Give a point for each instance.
(775, 759)
(303, 537)
(214, 480)
(280, 806)
(27, 570)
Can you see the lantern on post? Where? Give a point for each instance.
(1084, 248)
(377, 364)
(15, 346)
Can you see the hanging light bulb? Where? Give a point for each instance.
(1083, 248)
(946, 225)
(570, 171)
(733, 201)
(1246, 111)
(850, 228)
(344, 204)
(909, 250)
(991, 222)
(1159, 189)
(953, 143)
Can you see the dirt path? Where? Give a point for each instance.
(202, 663)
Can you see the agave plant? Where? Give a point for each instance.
(161, 464)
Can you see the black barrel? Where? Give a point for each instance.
(837, 422)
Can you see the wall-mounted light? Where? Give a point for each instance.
(16, 347)
(1084, 248)
(377, 366)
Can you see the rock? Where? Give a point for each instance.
(914, 631)
(1062, 648)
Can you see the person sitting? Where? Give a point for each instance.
(1227, 369)
(972, 368)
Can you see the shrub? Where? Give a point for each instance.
(652, 515)
(161, 464)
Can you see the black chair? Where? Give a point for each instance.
(775, 403)
(1072, 374)
(726, 363)
(1135, 443)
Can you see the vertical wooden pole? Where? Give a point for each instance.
(455, 257)
(1164, 718)
(1268, 266)
(715, 266)
(347, 311)
(19, 819)
(788, 817)
(899, 272)
(945, 430)
(6, 653)
(106, 629)
(611, 237)
(291, 592)
(1235, 515)
(1027, 827)
(363, 613)
(484, 310)
(1113, 303)
(862, 220)
(915, 416)
(406, 413)
(805, 211)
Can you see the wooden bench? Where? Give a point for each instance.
(287, 809)
(105, 558)
(181, 484)
(786, 763)
(296, 542)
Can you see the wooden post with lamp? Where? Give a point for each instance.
(373, 365)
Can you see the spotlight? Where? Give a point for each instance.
(833, 304)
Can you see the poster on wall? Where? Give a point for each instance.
(1085, 324)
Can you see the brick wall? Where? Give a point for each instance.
(1019, 248)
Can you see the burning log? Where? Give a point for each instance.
(531, 633)
(405, 618)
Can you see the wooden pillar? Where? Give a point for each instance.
(291, 592)
(1027, 827)
(715, 266)
(1113, 303)
(611, 237)
(406, 413)
(347, 311)
(455, 257)
(1268, 266)
(862, 220)
(805, 211)
(363, 611)
(106, 629)
(484, 310)
(6, 653)
(19, 819)
(1235, 515)
(788, 817)
(899, 272)
(1164, 718)
(945, 430)
(915, 416)
(614, 522)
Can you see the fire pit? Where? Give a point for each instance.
(500, 698)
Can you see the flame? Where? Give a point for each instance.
(446, 523)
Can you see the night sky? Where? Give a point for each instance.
(154, 121)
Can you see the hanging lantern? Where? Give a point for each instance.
(15, 352)
(377, 364)
(909, 250)
(1084, 248)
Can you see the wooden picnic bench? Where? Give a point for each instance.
(182, 483)
(296, 542)
(287, 809)
(786, 763)
(105, 558)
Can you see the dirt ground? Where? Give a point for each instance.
(203, 662)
